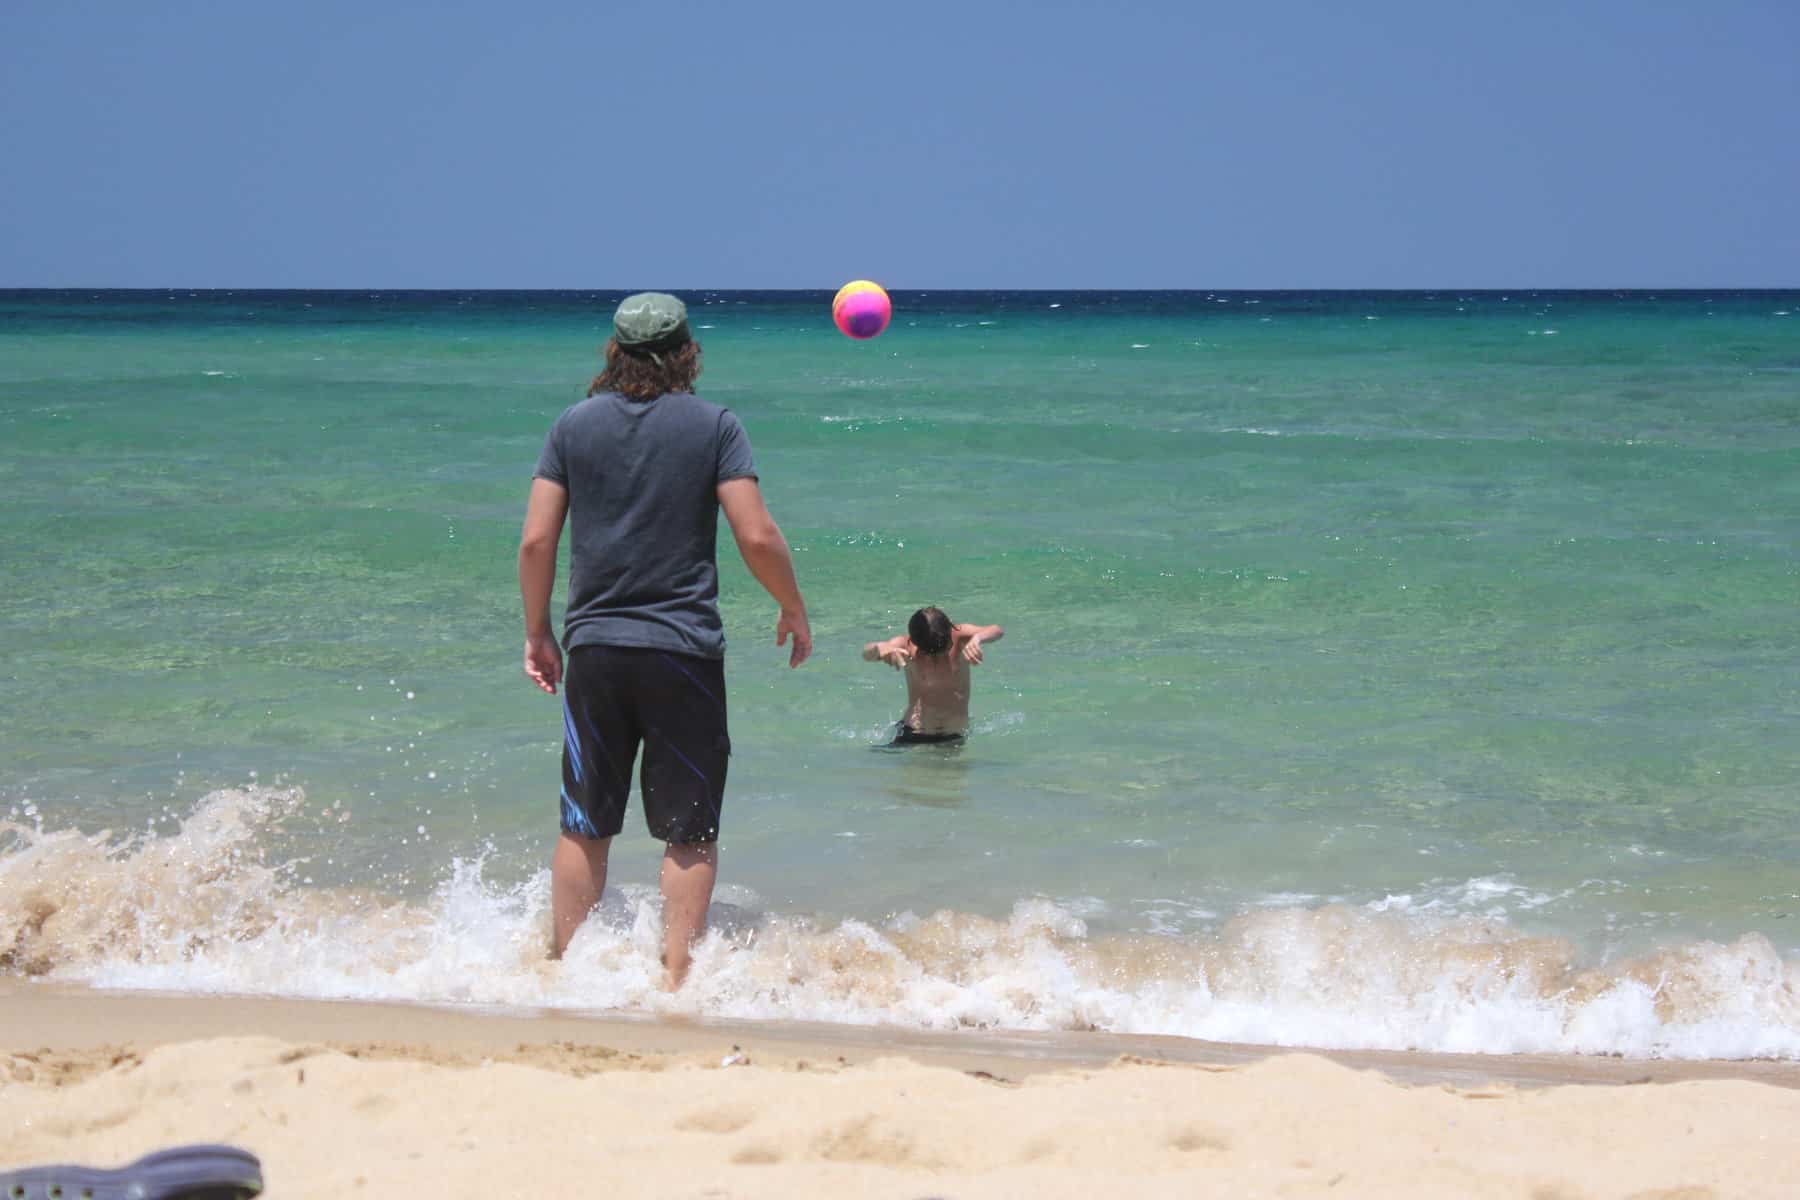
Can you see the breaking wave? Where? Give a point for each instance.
(215, 907)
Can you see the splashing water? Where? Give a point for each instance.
(204, 909)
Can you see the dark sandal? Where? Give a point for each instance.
(202, 1172)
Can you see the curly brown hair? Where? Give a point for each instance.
(641, 377)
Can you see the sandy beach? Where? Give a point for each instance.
(344, 1099)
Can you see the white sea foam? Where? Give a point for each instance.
(210, 908)
(1488, 896)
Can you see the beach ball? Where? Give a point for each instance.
(861, 309)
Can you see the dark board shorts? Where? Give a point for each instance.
(616, 699)
(906, 735)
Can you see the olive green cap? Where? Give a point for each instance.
(650, 321)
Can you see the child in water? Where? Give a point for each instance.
(936, 656)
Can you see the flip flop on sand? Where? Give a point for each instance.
(178, 1173)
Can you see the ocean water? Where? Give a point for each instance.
(1402, 670)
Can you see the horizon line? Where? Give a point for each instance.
(827, 289)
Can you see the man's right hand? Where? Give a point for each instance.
(897, 656)
(793, 621)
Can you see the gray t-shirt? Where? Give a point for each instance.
(644, 518)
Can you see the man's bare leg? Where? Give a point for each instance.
(577, 878)
(687, 886)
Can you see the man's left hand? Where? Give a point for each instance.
(544, 661)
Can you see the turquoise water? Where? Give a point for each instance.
(1376, 626)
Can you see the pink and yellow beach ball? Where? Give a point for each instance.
(861, 309)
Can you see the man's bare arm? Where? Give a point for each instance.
(766, 553)
(544, 514)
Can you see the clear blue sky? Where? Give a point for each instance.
(1051, 144)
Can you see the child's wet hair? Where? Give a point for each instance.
(930, 630)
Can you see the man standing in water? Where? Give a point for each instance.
(641, 468)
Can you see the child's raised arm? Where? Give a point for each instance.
(970, 638)
(895, 652)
